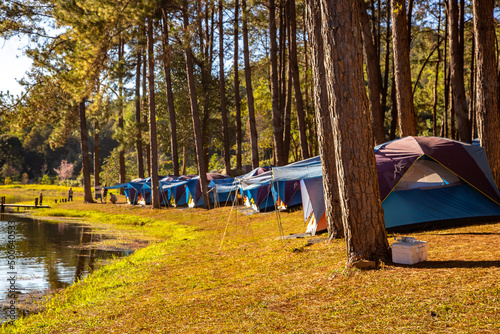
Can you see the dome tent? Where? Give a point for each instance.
(421, 179)
(425, 179)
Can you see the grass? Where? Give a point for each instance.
(186, 282)
(38, 188)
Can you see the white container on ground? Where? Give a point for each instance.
(407, 250)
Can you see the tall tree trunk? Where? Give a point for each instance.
(237, 102)
(408, 20)
(87, 189)
(387, 60)
(472, 89)
(167, 51)
(254, 140)
(194, 109)
(310, 116)
(155, 184)
(184, 159)
(486, 84)
(436, 80)
(373, 74)
(457, 74)
(394, 110)
(206, 50)
(123, 176)
(325, 134)
(277, 119)
(138, 138)
(96, 154)
(444, 127)
(402, 73)
(287, 117)
(362, 213)
(299, 102)
(145, 107)
(285, 83)
(222, 89)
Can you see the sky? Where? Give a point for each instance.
(13, 64)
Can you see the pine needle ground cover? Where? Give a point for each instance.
(210, 272)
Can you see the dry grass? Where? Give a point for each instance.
(256, 284)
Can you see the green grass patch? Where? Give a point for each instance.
(38, 188)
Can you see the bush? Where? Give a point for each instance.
(70, 183)
(25, 178)
(46, 180)
(7, 180)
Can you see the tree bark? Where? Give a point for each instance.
(299, 101)
(237, 102)
(145, 107)
(394, 110)
(194, 109)
(361, 208)
(167, 51)
(402, 73)
(287, 115)
(408, 21)
(87, 189)
(373, 74)
(385, 87)
(138, 138)
(285, 82)
(254, 140)
(457, 75)
(222, 89)
(123, 176)
(472, 89)
(277, 118)
(184, 160)
(206, 50)
(444, 126)
(96, 154)
(486, 85)
(155, 184)
(325, 135)
(436, 79)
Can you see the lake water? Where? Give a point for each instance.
(38, 257)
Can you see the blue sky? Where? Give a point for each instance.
(13, 64)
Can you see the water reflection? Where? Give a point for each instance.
(48, 257)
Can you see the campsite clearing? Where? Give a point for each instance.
(257, 283)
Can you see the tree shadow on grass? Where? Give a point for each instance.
(464, 233)
(452, 264)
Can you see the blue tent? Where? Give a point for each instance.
(257, 192)
(286, 181)
(194, 188)
(222, 190)
(176, 191)
(313, 204)
(280, 187)
(429, 179)
(133, 190)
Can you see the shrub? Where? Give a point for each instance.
(46, 180)
(7, 180)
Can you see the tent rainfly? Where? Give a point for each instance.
(422, 179)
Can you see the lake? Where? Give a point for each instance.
(39, 257)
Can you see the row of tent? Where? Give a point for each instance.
(421, 179)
